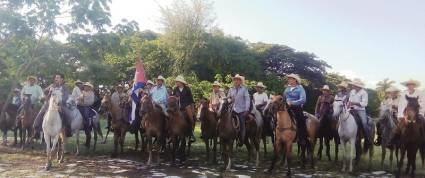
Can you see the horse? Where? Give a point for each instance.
(254, 130)
(312, 124)
(153, 123)
(90, 124)
(227, 131)
(411, 135)
(285, 132)
(76, 120)
(209, 123)
(119, 124)
(327, 131)
(8, 121)
(53, 130)
(179, 129)
(347, 131)
(268, 126)
(26, 120)
(367, 145)
(387, 126)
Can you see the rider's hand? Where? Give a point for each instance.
(289, 103)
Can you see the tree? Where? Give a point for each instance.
(382, 86)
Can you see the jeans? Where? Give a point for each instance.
(364, 121)
(241, 117)
(297, 113)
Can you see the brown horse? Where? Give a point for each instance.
(208, 127)
(328, 130)
(412, 133)
(8, 121)
(253, 137)
(179, 129)
(312, 129)
(227, 131)
(26, 120)
(285, 132)
(119, 124)
(153, 123)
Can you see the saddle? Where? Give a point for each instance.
(235, 121)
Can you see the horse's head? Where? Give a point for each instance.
(105, 104)
(71, 104)
(26, 100)
(385, 115)
(338, 107)
(412, 108)
(278, 103)
(224, 106)
(172, 104)
(55, 99)
(146, 105)
(202, 108)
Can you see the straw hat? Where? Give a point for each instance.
(392, 89)
(240, 77)
(216, 83)
(78, 81)
(16, 90)
(343, 85)
(181, 79)
(261, 85)
(88, 84)
(160, 77)
(32, 77)
(119, 86)
(411, 82)
(150, 82)
(358, 83)
(325, 87)
(294, 76)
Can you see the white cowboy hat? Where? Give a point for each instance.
(160, 77)
(358, 83)
(181, 79)
(343, 84)
(119, 86)
(88, 84)
(411, 82)
(392, 89)
(78, 81)
(294, 76)
(240, 77)
(150, 82)
(325, 87)
(261, 85)
(216, 83)
(16, 90)
(32, 77)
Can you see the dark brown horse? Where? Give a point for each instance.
(119, 124)
(26, 120)
(328, 130)
(285, 132)
(8, 121)
(209, 123)
(227, 131)
(179, 129)
(412, 134)
(153, 124)
(268, 127)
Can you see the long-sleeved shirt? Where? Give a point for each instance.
(16, 100)
(215, 98)
(359, 97)
(159, 94)
(58, 88)
(240, 97)
(295, 95)
(76, 92)
(341, 96)
(324, 104)
(403, 102)
(260, 99)
(185, 96)
(86, 98)
(117, 97)
(35, 91)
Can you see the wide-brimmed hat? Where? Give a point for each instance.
(88, 84)
(16, 90)
(261, 85)
(240, 77)
(32, 77)
(150, 82)
(411, 82)
(358, 83)
(216, 83)
(180, 78)
(78, 81)
(160, 77)
(119, 86)
(294, 76)
(325, 87)
(392, 89)
(343, 85)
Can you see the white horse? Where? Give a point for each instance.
(347, 130)
(74, 114)
(52, 128)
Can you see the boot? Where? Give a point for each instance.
(378, 140)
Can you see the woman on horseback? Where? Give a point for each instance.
(216, 95)
(295, 99)
(184, 94)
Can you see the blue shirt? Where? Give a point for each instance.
(159, 94)
(295, 95)
(240, 97)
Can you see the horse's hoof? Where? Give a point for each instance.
(48, 167)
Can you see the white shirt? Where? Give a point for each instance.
(403, 102)
(260, 98)
(76, 92)
(359, 97)
(35, 91)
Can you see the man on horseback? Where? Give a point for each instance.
(324, 103)
(16, 100)
(342, 94)
(260, 97)
(216, 95)
(241, 103)
(412, 92)
(391, 101)
(85, 101)
(184, 94)
(159, 94)
(76, 92)
(358, 100)
(32, 89)
(57, 86)
(295, 99)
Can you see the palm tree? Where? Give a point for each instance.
(382, 86)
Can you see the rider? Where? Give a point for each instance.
(296, 98)
(159, 94)
(116, 97)
(391, 101)
(260, 97)
(241, 103)
(324, 102)
(342, 94)
(215, 96)
(148, 88)
(76, 92)
(411, 92)
(58, 85)
(33, 89)
(184, 94)
(85, 101)
(16, 100)
(358, 100)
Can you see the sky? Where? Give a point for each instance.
(370, 40)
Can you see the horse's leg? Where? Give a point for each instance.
(336, 141)
(77, 136)
(106, 136)
(400, 163)
(358, 149)
(175, 145)
(207, 147)
(23, 138)
(63, 146)
(136, 137)
(319, 152)
(230, 152)
(249, 149)
(344, 156)
(54, 144)
(87, 130)
(122, 140)
(288, 153)
(116, 135)
(183, 150)
(257, 151)
(215, 149)
(384, 151)
(49, 162)
(149, 139)
(265, 144)
(4, 137)
(352, 150)
(94, 137)
(277, 148)
(15, 135)
(391, 158)
(303, 157)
